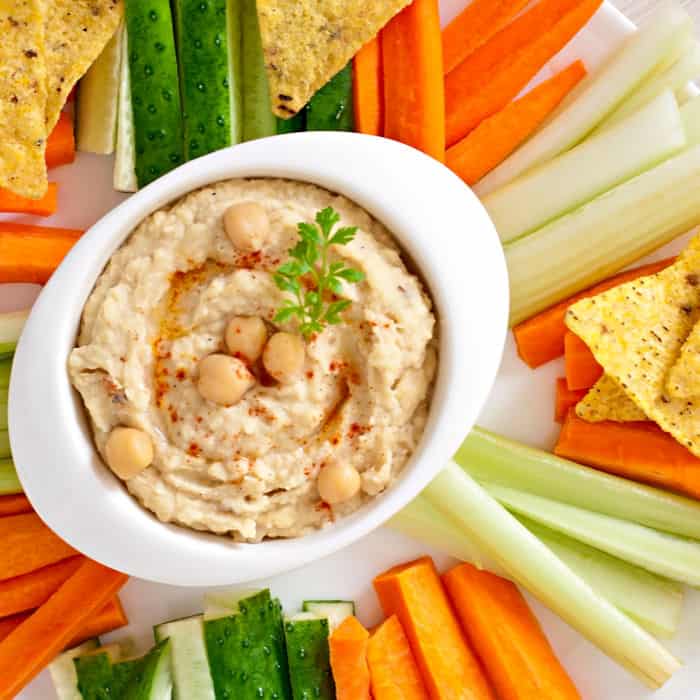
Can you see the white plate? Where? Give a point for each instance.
(520, 406)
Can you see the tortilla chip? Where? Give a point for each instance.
(636, 332)
(23, 97)
(77, 31)
(306, 42)
(684, 378)
(607, 400)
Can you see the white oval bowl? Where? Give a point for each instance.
(438, 222)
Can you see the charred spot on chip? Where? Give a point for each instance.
(692, 279)
(30, 53)
(286, 109)
(687, 309)
(285, 98)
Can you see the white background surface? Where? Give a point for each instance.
(520, 406)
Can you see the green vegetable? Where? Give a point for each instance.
(311, 257)
(3, 408)
(258, 119)
(531, 564)
(125, 156)
(124, 674)
(293, 124)
(335, 611)
(155, 91)
(690, 114)
(94, 674)
(4, 445)
(63, 673)
(11, 324)
(5, 366)
(150, 678)
(309, 657)
(330, 109)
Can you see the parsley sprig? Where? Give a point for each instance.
(309, 257)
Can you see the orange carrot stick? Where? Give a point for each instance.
(413, 592)
(639, 451)
(60, 146)
(392, 668)
(566, 399)
(8, 624)
(368, 90)
(11, 203)
(348, 646)
(474, 26)
(14, 505)
(582, 369)
(35, 588)
(507, 637)
(32, 253)
(32, 645)
(541, 338)
(28, 545)
(414, 97)
(474, 91)
(498, 136)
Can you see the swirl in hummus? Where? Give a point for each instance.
(251, 469)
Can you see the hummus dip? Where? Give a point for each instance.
(250, 470)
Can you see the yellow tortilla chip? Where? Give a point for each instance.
(306, 42)
(23, 97)
(636, 331)
(684, 378)
(607, 400)
(76, 33)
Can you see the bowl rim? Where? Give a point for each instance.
(420, 201)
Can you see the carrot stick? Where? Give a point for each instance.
(368, 90)
(32, 645)
(413, 592)
(392, 668)
(11, 203)
(541, 338)
(474, 26)
(28, 545)
(32, 253)
(8, 624)
(582, 369)
(14, 505)
(348, 646)
(414, 97)
(475, 90)
(60, 146)
(498, 136)
(639, 451)
(566, 399)
(507, 637)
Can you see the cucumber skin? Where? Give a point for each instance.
(202, 47)
(293, 124)
(247, 653)
(155, 89)
(331, 108)
(309, 659)
(94, 677)
(142, 677)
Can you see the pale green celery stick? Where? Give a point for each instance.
(654, 602)
(690, 114)
(5, 451)
(3, 408)
(9, 482)
(604, 235)
(494, 458)
(11, 324)
(5, 366)
(687, 92)
(534, 566)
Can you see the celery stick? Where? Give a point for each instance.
(599, 95)
(11, 325)
(9, 482)
(644, 139)
(534, 566)
(668, 555)
(652, 601)
(603, 236)
(4, 444)
(3, 409)
(5, 366)
(490, 457)
(690, 114)
(686, 93)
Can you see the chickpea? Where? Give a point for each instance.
(223, 379)
(246, 337)
(283, 356)
(338, 483)
(247, 225)
(129, 451)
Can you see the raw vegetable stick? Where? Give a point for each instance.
(582, 370)
(30, 647)
(392, 667)
(348, 648)
(14, 505)
(566, 399)
(330, 109)
(414, 593)
(541, 338)
(9, 481)
(498, 136)
(414, 97)
(640, 451)
(507, 637)
(60, 146)
(9, 624)
(474, 26)
(32, 253)
(368, 89)
(27, 545)
(472, 96)
(11, 203)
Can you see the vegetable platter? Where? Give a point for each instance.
(520, 408)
